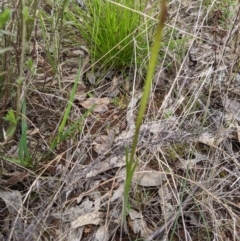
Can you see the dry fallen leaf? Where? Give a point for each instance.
(91, 78)
(110, 163)
(207, 138)
(13, 201)
(104, 142)
(99, 103)
(118, 193)
(17, 177)
(165, 200)
(233, 107)
(88, 218)
(149, 178)
(138, 224)
(76, 53)
(113, 90)
(102, 234)
(75, 234)
(191, 163)
(135, 219)
(73, 212)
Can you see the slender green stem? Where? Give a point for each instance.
(20, 78)
(131, 163)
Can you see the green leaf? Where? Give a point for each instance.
(10, 117)
(12, 121)
(4, 17)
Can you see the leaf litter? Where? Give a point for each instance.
(189, 138)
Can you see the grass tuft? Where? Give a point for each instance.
(112, 30)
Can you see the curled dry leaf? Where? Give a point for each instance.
(99, 103)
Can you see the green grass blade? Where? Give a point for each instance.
(70, 102)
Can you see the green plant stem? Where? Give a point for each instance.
(151, 68)
(23, 151)
(20, 78)
(31, 21)
(131, 163)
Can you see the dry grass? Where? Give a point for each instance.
(187, 183)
